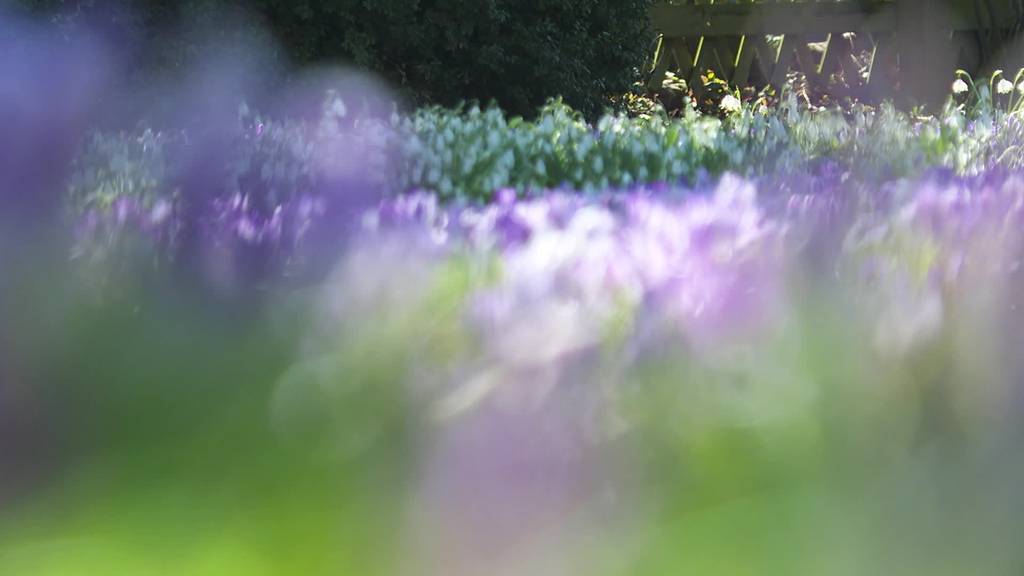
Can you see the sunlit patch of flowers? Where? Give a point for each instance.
(713, 264)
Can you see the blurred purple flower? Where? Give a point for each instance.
(49, 89)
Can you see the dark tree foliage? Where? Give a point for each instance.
(515, 52)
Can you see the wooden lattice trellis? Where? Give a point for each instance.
(757, 42)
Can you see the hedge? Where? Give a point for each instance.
(517, 53)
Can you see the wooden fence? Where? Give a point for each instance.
(909, 45)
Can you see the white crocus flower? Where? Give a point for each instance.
(1004, 86)
(960, 87)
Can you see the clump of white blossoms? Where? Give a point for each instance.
(1004, 86)
(960, 87)
(730, 103)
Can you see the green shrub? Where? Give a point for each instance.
(518, 53)
(469, 153)
(122, 165)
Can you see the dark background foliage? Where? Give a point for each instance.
(515, 52)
